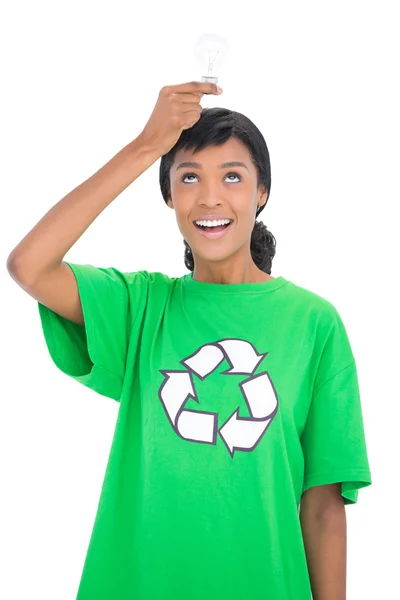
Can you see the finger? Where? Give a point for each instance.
(189, 98)
(198, 87)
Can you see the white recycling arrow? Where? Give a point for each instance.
(244, 433)
(191, 424)
(242, 355)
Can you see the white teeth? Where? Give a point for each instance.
(213, 223)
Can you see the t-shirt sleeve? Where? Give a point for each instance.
(113, 305)
(333, 439)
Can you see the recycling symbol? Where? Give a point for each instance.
(238, 433)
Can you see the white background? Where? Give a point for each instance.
(79, 81)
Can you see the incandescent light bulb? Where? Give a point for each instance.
(211, 51)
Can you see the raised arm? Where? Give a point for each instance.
(36, 263)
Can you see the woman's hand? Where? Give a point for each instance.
(177, 108)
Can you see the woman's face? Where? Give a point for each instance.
(228, 192)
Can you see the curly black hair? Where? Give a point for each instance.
(215, 127)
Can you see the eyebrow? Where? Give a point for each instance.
(195, 165)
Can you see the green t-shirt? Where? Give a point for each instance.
(233, 400)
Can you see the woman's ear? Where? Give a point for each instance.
(263, 198)
(169, 202)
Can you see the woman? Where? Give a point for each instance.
(239, 437)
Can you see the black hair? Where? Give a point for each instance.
(214, 128)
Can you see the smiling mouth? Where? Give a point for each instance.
(213, 232)
(214, 229)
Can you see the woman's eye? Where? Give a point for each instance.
(228, 175)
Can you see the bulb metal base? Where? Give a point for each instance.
(208, 79)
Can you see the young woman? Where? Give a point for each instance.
(239, 437)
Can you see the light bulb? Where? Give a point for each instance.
(211, 51)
